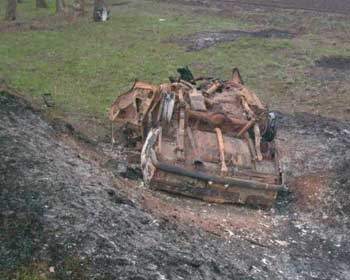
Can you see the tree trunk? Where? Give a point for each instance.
(60, 6)
(11, 10)
(82, 6)
(41, 4)
(79, 8)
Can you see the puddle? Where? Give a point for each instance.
(336, 62)
(203, 40)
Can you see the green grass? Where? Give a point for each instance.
(26, 10)
(85, 65)
(71, 267)
(37, 271)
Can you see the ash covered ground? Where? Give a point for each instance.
(61, 209)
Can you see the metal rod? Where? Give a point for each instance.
(212, 178)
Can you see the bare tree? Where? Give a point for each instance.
(60, 6)
(11, 10)
(41, 4)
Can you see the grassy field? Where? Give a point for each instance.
(84, 65)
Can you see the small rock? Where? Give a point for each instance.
(151, 266)
(282, 243)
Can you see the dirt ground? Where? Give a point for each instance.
(335, 6)
(56, 22)
(62, 207)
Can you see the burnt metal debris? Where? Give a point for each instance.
(203, 137)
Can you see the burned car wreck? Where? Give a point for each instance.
(204, 138)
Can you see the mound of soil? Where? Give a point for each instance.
(203, 40)
(60, 207)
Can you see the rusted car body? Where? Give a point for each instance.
(204, 138)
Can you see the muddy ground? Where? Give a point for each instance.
(203, 40)
(63, 210)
